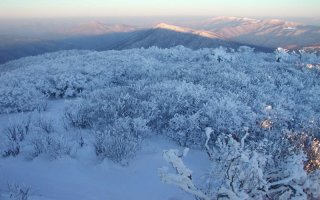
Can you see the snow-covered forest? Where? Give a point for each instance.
(181, 123)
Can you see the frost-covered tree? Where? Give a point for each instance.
(239, 171)
(183, 176)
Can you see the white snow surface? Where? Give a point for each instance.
(82, 176)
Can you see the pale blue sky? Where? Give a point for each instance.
(99, 8)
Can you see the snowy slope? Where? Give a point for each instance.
(93, 125)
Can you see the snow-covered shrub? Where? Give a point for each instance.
(308, 58)
(269, 169)
(66, 85)
(103, 107)
(21, 98)
(33, 134)
(221, 54)
(176, 111)
(185, 130)
(244, 74)
(182, 94)
(45, 139)
(45, 124)
(237, 172)
(282, 54)
(227, 115)
(178, 91)
(288, 180)
(19, 191)
(77, 113)
(52, 145)
(14, 134)
(120, 141)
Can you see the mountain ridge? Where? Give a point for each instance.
(230, 32)
(271, 33)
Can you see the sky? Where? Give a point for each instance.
(107, 8)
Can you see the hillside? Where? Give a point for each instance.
(160, 123)
(166, 36)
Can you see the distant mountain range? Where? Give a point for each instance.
(96, 28)
(230, 32)
(270, 33)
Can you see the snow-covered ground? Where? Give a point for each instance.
(82, 176)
